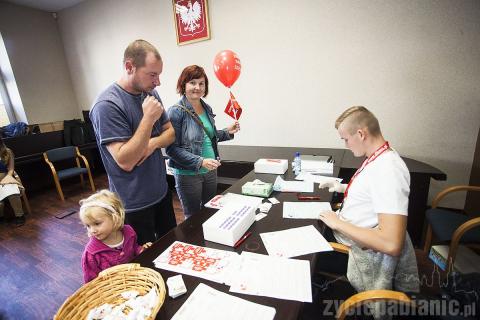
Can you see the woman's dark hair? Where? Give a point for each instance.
(4, 154)
(188, 74)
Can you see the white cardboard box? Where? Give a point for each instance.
(229, 223)
(275, 166)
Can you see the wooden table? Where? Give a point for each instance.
(191, 232)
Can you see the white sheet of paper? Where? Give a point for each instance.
(7, 190)
(269, 276)
(305, 176)
(304, 210)
(207, 263)
(259, 216)
(294, 242)
(292, 186)
(206, 303)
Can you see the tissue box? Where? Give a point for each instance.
(229, 223)
(275, 166)
(259, 189)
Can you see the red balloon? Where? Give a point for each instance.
(227, 67)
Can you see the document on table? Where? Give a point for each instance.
(295, 242)
(268, 276)
(207, 263)
(292, 186)
(305, 176)
(210, 304)
(206, 303)
(305, 210)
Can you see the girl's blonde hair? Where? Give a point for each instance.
(106, 201)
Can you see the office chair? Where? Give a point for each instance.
(451, 227)
(67, 153)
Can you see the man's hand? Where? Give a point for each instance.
(330, 218)
(333, 186)
(152, 108)
(234, 128)
(210, 164)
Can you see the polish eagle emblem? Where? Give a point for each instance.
(189, 15)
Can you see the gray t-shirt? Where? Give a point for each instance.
(116, 115)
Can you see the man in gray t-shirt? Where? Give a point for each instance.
(131, 127)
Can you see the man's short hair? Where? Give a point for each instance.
(137, 51)
(358, 118)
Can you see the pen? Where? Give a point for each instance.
(330, 159)
(301, 197)
(242, 239)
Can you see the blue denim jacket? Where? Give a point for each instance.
(186, 151)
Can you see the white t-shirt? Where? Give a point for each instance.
(382, 187)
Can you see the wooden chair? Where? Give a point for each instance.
(23, 194)
(67, 153)
(451, 227)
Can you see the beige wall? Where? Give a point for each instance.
(38, 62)
(415, 64)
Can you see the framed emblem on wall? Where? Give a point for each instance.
(191, 21)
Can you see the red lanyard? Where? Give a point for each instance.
(370, 159)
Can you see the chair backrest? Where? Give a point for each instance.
(61, 153)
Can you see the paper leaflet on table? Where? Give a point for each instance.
(206, 303)
(259, 275)
(294, 242)
(306, 176)
(233, 109)
(207, 263)
(305, 210)
(292, 186)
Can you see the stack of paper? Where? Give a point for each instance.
(305, 176)
(206, 303)
(316, 164)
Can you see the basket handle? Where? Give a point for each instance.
(120, 268)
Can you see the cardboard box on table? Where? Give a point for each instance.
(229, 223)
(273, 166)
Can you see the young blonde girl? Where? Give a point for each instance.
(111, 242)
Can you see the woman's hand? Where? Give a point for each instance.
(234, 128)
(210, 164)
(330, 218)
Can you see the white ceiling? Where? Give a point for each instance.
(46, 5)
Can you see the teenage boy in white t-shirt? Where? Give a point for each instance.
(373, 217)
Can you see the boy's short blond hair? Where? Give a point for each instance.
(359, 117)
(106, 201)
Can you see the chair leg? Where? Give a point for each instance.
(91, 180)
(25, 202)
(59, 188)
(428, 240)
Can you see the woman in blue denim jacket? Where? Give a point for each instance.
(194, 155)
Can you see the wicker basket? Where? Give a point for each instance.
(108, 286)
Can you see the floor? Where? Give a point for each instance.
(40, 261)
